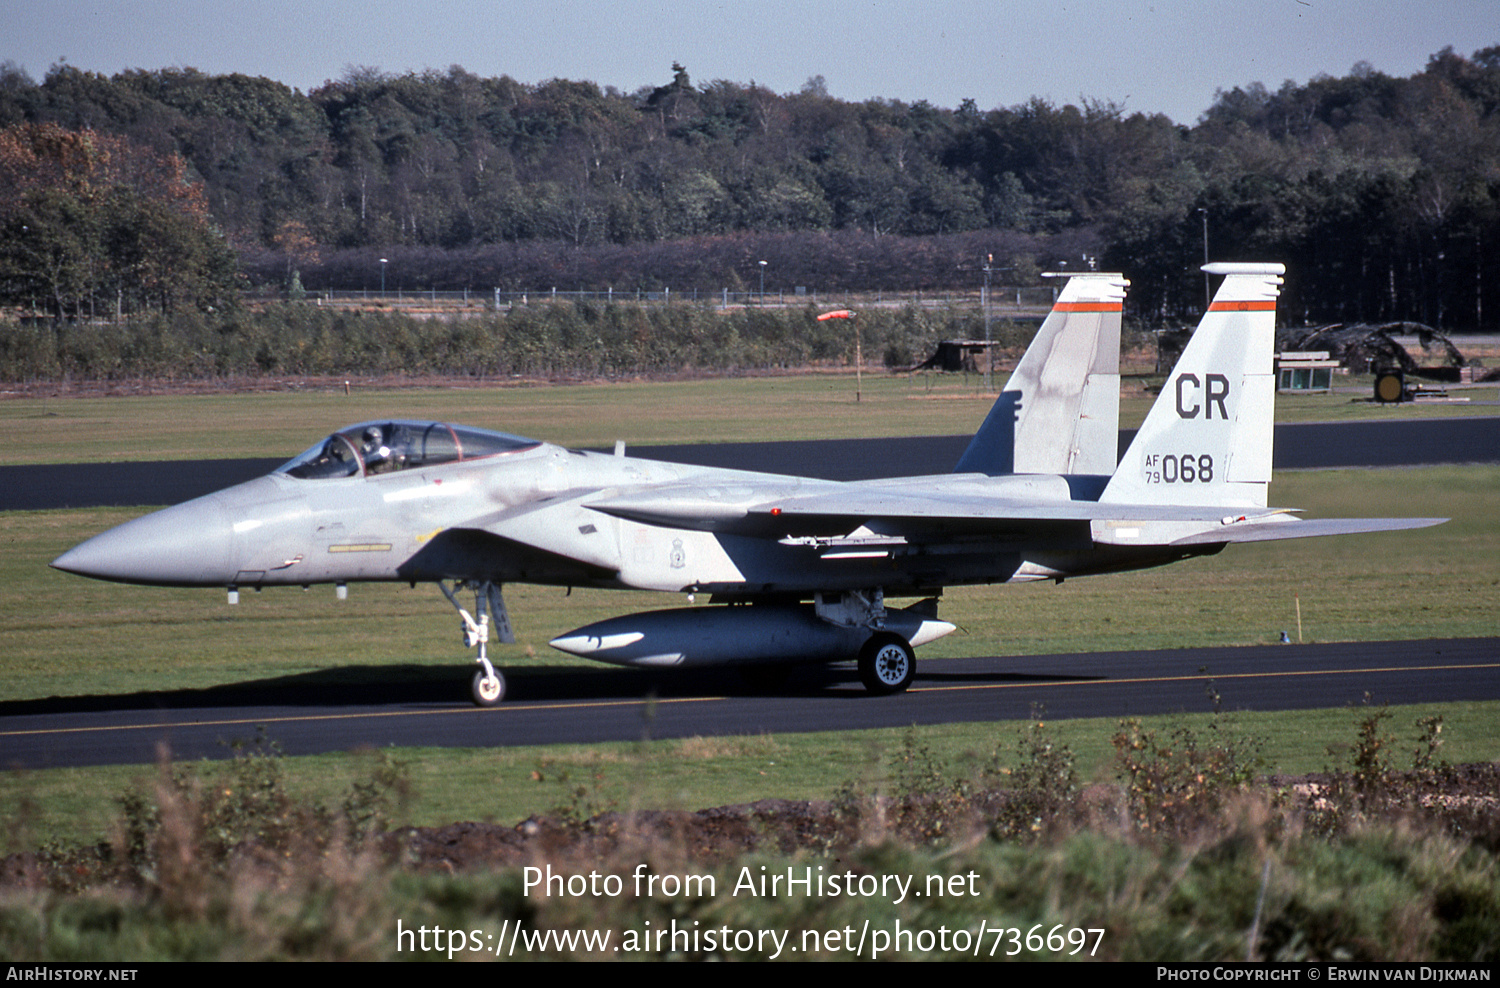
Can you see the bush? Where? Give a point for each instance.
(1176, 784)
(211, 864)
(584, 339)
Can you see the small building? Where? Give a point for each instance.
(1304, 372)
(956, 355)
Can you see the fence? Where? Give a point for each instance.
(1005, 301)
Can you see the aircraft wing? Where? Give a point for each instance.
(902, 505)
(838, 512)
(1121, 524)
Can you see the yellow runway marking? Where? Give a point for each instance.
(369, 714)
(598, 704)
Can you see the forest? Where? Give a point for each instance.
(166, 190)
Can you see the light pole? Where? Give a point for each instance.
(382, 277)
(1207, 298)
(989, 360)
(762, 282)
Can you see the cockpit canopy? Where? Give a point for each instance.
(385, 447)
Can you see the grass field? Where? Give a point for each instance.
(66, 636)
(506, 785)
(810, 406)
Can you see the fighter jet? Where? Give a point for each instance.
(797, 569)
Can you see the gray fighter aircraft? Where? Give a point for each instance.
(798, 569)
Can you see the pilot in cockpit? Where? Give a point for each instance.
(383, 453)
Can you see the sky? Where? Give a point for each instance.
(1151, 56)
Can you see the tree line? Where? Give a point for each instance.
(565, 340)
(91, 224)
(1382, 194)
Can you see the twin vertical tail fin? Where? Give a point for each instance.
(1207, 439)
(1060, 411)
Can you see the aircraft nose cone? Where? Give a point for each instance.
(191, 544)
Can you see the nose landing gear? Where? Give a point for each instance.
(488, 685)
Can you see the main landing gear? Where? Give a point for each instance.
(886, 663)
(488, 685)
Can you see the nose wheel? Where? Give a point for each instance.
(488, 688)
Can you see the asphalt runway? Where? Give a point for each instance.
(1297, 447)
(384, 707)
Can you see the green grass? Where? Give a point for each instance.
(811, 406)
(506, 785)
(285, 423)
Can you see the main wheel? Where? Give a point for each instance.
(886, 664)
(488, 690)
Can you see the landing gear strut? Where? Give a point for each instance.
(488, 685)
(887, 663)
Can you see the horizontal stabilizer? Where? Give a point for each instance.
(1302, 529)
